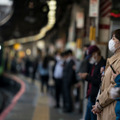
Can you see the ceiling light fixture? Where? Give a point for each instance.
(51, 21)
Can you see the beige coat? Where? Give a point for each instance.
(108, 82)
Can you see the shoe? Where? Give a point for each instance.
(67, 110)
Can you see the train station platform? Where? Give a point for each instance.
(34, 106)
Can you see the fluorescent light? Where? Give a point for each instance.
(51, 13)
(53, 7)
(6, 2)
(41, 44)
(43, 31)
(52, 3)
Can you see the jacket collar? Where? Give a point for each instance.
(114, 58)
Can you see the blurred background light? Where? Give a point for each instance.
(28, 52)
(41, 44)
(6, 2)
(17, 46)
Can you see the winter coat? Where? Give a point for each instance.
(95, 79)
(69, 76)
(107, 103)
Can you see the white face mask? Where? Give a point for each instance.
(92, 60)
(112, 46)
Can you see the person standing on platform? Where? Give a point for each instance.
(43, 69)
(68, 80)
(105, 105)
(58, 75)
(94, 79)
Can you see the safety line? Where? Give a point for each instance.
(16, 97)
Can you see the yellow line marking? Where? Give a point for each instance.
(42, 111)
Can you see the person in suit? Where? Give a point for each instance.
(68, 80)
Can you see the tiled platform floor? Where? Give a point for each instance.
(33, 106)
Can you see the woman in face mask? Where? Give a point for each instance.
(105, 105)
(114, 43)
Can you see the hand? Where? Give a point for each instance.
(74, 67)
(83, 75)
(95, 109)
(77, 85)
(102, 69)
(102, 78)
(115, 75)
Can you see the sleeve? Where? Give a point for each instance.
(71, 72)
(95, 80)
(84, 66)
(105, 98)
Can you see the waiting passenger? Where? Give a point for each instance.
(105, 105)
(58, 75)
(68, 80)
(94, 79)
(44, 73)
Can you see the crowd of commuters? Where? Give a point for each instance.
(103, 79)
(65, 77)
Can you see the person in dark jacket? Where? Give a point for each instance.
(94, 80)
(115, 94)
(43, 69)
(68, 80)
(83, 67)
(35, 66)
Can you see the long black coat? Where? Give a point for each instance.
(69, 75)
(69, 79)
(96, 79)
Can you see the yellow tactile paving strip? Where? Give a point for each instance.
(42, 108)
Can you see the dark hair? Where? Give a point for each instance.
(117, 34)
(86, 45)
(98, 52)
(57, 52)
(69, 52)
(92, 49)
(63, 54)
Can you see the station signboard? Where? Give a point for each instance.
(94, 8)
(80, 20)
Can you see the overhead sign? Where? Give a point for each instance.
(94, 8)
(80, 20)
